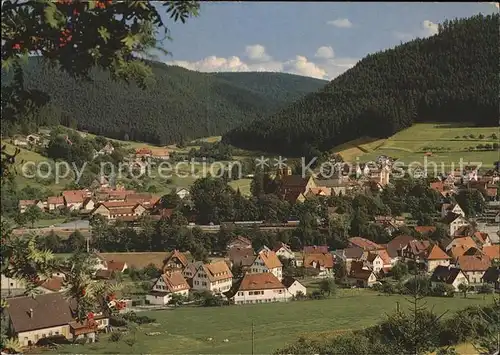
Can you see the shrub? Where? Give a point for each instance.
(115, 337)
(117, 321)
(481, 136)
(317, 295)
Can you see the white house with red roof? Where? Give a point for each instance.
(167, 285)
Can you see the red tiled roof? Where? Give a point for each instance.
(270, 259)
(175, 281)
(53, 284)
(474, 262)
(364, 243)
(115, 265)
(55, 200)
(492, 251)
(323, 259)
(436, 253)
(263, 281)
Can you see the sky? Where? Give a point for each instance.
(316, 39)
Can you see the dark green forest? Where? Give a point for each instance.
(449, 77)
(179, 105)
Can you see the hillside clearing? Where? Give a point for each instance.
(448, 143)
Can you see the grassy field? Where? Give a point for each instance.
(445, 141)
(185, 330)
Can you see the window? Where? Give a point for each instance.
(12, 284)
(57, 333)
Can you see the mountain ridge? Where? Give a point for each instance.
(180, 105)
(449, 77)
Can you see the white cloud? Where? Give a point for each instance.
(325, 52)
(341, 23)
(257, 52)
(427, 28)
(430, 27)
(325, 67)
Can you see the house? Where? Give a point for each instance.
(453, 208)
(454, 221)
(31, 319)
(460, 250)
(492, 276)
(20, 142)
(54, 202)
(11, 286)
(161, 154)
(492, 251)
(88, 204)
(190, 270)
(363, 243)
(52, 284)
(293, 286)
(322, 262)
(215, 277)
(314, 249)
(294, 187)
(116, 266)
(464, 242)
(414, 249)
(396, 245)
(168, 284)
(107, 149)
(175, 261)
(360, 276)
(348, 255)
(379, 260)
(119, 210)
(239, 242)
(482, 238)
(267, 261)
(474, 266)
(259, 288)
(283, 250)
(143, 153)
(182, 193)
(24, 204)
(449, 275)
(73, 199)
(435, 256)
(241, 257)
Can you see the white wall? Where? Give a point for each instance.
(35, 335)
(262, 296)
(296, 287)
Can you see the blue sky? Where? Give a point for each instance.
(313, 39)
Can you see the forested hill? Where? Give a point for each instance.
(181, 104)
(449, 77)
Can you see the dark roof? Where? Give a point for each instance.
(492, 274)
(241, 256)
(49, 310)
(314, 249)
(288, 281)
(445, 274)
(353, 252)
(294, 180)
(450, 217)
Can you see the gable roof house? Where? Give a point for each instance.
(361, 276)
(24, 204)
(190, 270)
(31, 319)
(124, 211)
(73, 199)
(215, 277)
(166, 285)
(435, 256)
(454, 221)
(464, 241)
(176, 261)
(492, 276)
(259, 288)
(474, 266)
(453, 208)
(267, 261)
(363, 243)
(449, 275)
(378, 260)
(293, 188)
(239, 242)
(293, 286)
(322, 262)
(241, 257)
(396, 245)
(283, 250)
(54, 202)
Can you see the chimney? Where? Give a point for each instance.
(31, 312)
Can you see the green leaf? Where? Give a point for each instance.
(104, 33)
(7, 63)
(92, 4)
(129, 41)
(51, 15)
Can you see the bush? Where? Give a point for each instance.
(485, 288)
(115, 337)
(481, 136)
(133, 317)
(442, 289)
(117, 321)
(316, 295)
